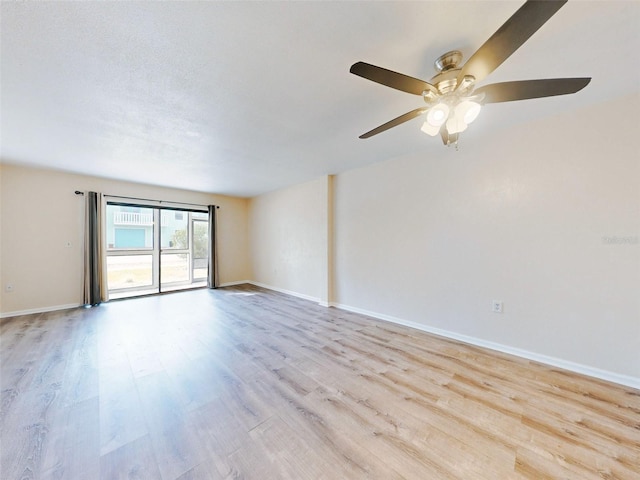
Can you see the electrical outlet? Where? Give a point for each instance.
(497, 306)
(8, 288)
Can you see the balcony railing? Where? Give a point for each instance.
(134, 218)
(131, 218)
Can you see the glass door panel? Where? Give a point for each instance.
(174, 270)
(174, 231)
(200, 247)
(129, 271)
(132, 260)
(174, 241)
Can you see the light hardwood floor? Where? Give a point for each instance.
(245, 383)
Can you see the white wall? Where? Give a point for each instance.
(40, 213)
(544, 217)
(289, 239)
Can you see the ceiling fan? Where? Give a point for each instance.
(452, 101)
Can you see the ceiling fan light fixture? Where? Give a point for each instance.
(437, 115)
(429, 129)
(468, 111)
(456, 124)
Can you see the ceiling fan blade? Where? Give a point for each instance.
(509, 37)
(523, 90)
(391, 79)
(395, 122)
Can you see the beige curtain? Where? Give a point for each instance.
(213, 279)
(95, 259)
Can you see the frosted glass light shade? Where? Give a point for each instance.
(437, 115)
(456, 124)
(468, 111)
(430, 129)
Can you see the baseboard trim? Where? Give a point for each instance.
(286, 292)
(233, 284)
(609, 376)
(30, 311)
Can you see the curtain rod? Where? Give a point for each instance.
(78, 192)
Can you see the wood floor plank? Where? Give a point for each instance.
(121, 417)
(203, 471)
(345, 452)
(172, 441)
(298, 458)
(80, 454)
(219, 436)
(132, 461)
(246, 383)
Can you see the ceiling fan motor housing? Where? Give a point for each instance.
(446, 80)
(448, 61)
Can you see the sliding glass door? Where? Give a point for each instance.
(152, 250)
(184, 249)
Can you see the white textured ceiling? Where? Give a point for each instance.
(242, 98)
